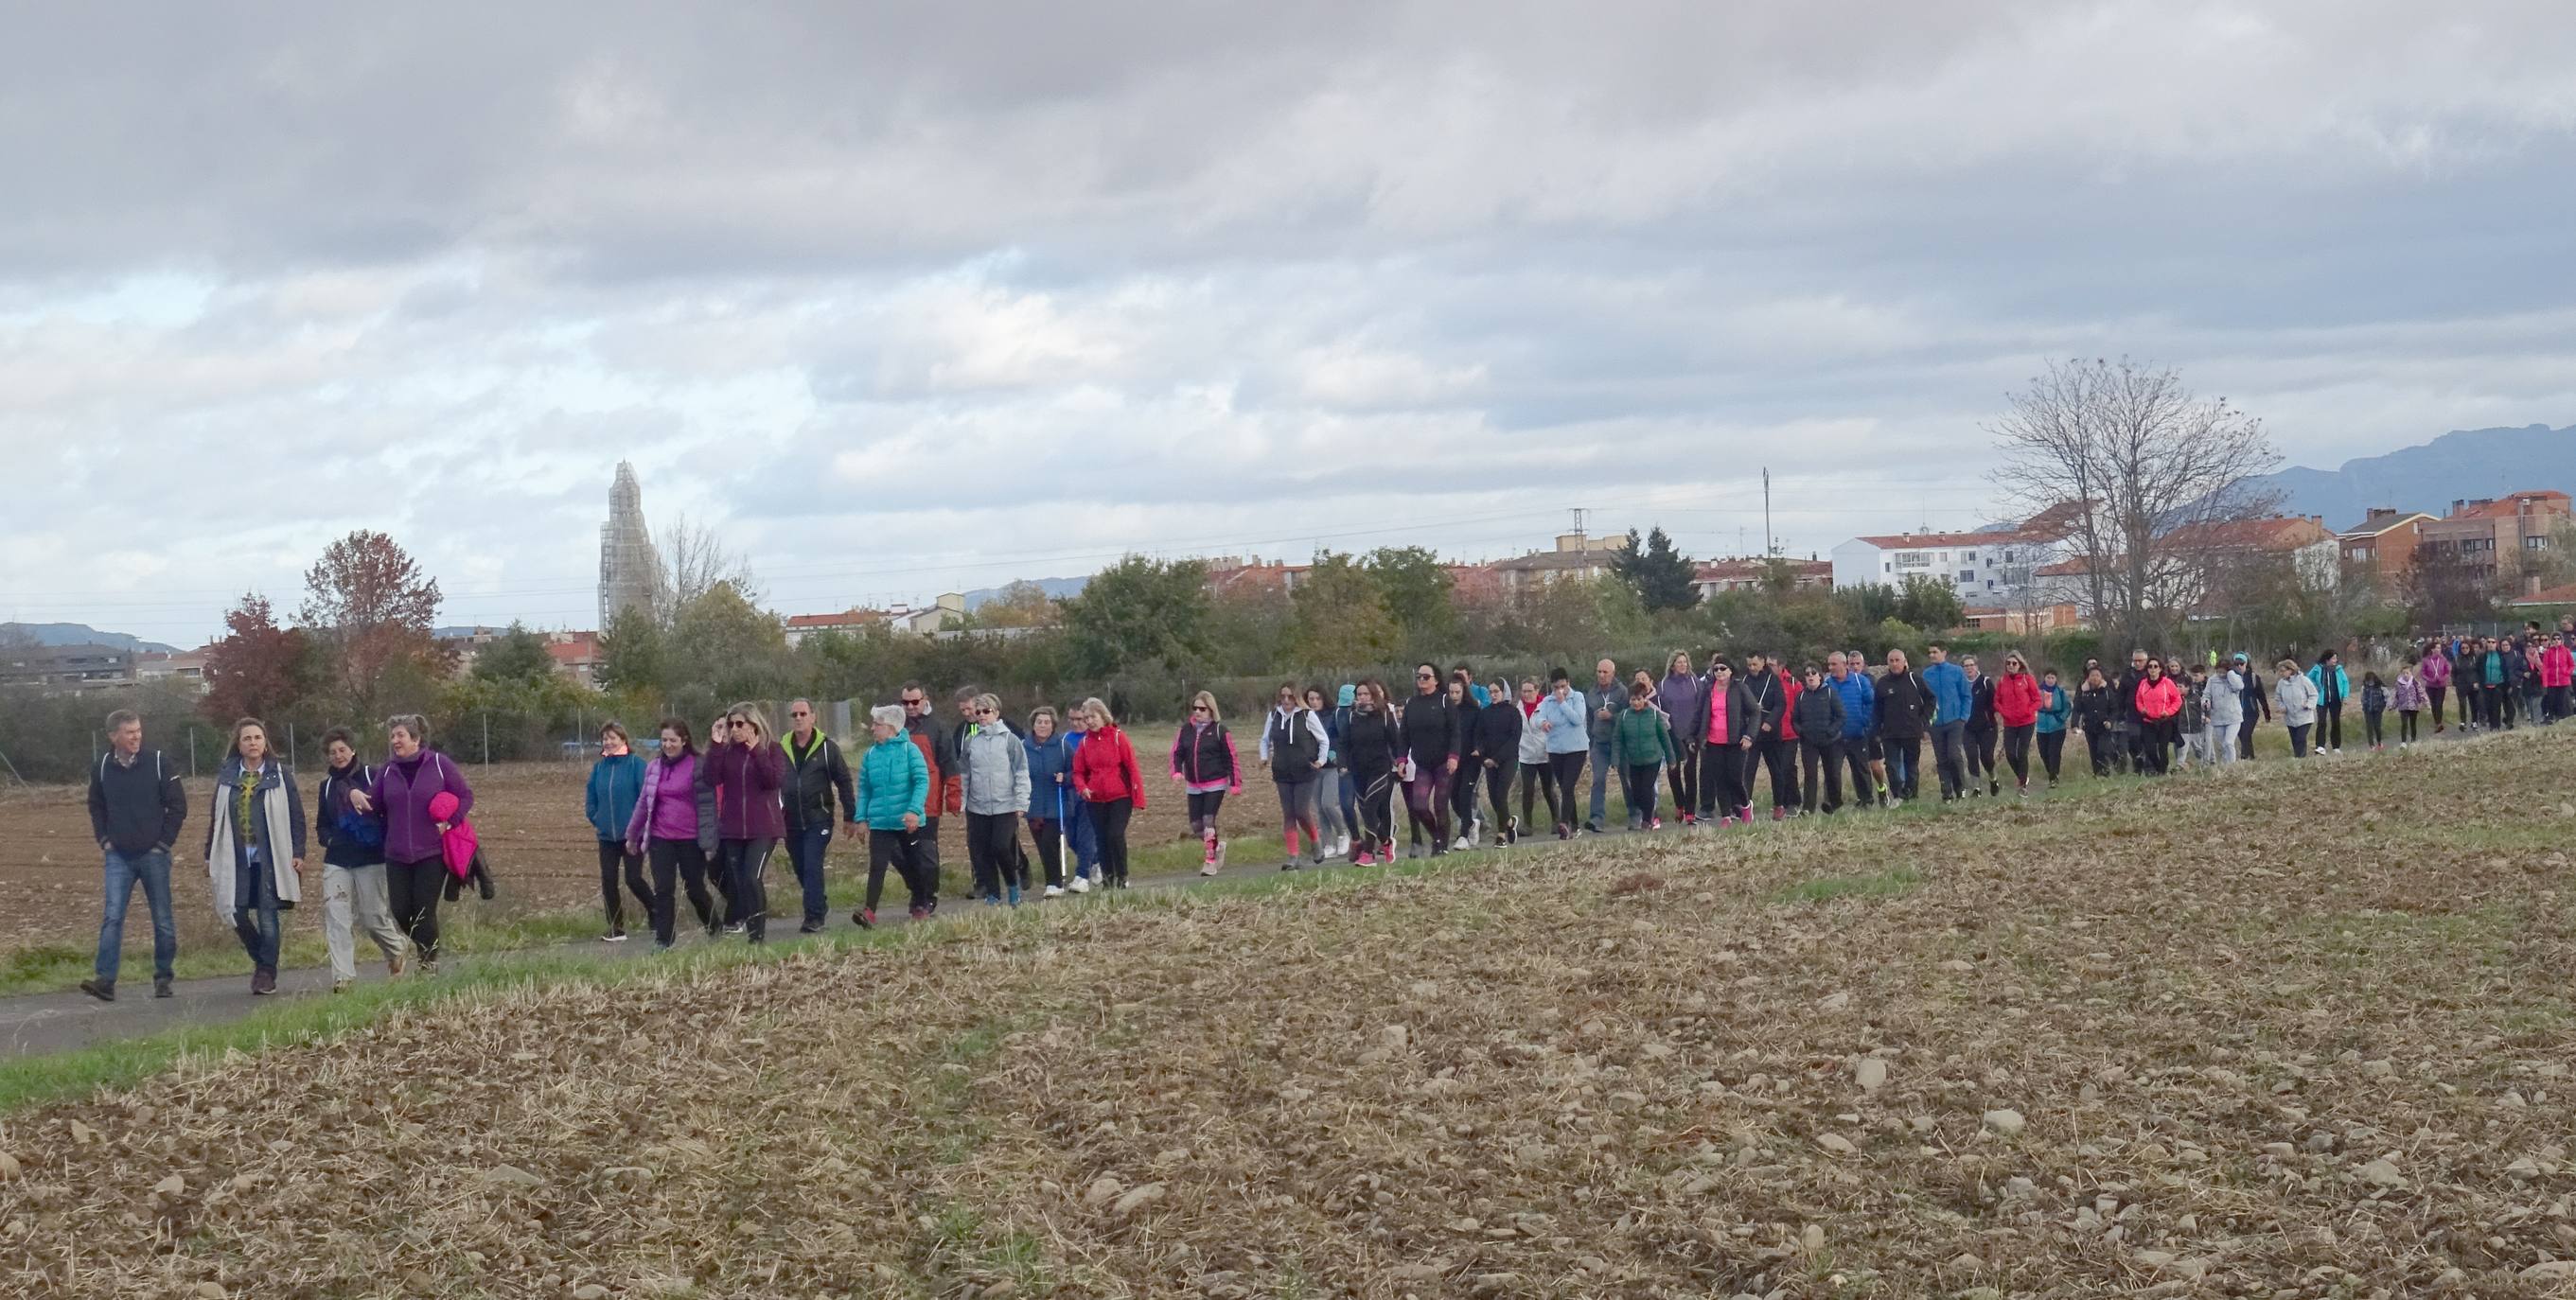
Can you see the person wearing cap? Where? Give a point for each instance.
(2255, 705)
(1334, 722)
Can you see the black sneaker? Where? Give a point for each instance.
(102, 990)
(810, 927)
(161, 987)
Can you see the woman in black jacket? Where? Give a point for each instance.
(2095, 710)
(1818, 716)
(1498, 751)
(1725, 740)
(1462, 790)
(1373, 746)
(1431, 749)
(1981, 728)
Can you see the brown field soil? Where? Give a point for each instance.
(2294, 1031)
(529, 815)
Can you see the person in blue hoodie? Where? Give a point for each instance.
(2333, 688)
(2055, 709)
(1849, 679)
(1952, 701)
(616, 781)
(1334, 722)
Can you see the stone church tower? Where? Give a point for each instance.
(629, 572)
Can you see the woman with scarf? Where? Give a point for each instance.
(255, 847)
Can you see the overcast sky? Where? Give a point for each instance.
(921, 297)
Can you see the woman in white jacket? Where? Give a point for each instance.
(2297, 698)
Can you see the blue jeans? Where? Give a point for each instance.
(1600, 783)
(805, 850)
(255, 906)
(150, 869)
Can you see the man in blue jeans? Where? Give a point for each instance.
(1602, 704)
(136, 807)
(816, 772)
(1952, 701)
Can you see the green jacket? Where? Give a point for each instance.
(1642, 736)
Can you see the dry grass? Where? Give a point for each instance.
(2297, 1031)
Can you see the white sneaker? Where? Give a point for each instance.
(1079, 884)
(1207, 868)
(1458, 845)
(1220, 853)
(1343, 849)
(1054, 891)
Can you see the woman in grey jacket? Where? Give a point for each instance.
(996, 789)
(2296, 697)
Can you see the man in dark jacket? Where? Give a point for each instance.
(136, 807)
(938, 749)
(816, 772)
(1904, 714)
(2258, 706)
(1818, 717)
(1769, 692)
(1602, 703)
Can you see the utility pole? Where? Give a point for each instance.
(1769, 547)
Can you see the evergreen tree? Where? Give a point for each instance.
(1657, 572)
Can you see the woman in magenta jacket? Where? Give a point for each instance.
(748, 768)
(415, 863)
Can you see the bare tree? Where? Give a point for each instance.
(2135, 458)
(695, 560)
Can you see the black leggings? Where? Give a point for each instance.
(2052, 751)
(1683, 777)
(993, 852)
(1376, 808)
(1204, 807)
(1567, 769)
(2373, 726)
(2017, 751)
(612, 855)
(1462, 793)
(2406, 725)
(1724, 776)
(899, 850)
(411, 891)
(1498, 789)
(686, 861)
(1109, 822)
(2330, 725)
(746, 864)
(1046, 835)
(1537, 779)
(2436, 693)
(1980, 749)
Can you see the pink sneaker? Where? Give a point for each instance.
(1365, 859)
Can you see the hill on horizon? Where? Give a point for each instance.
(78, 634)
(2460, 465)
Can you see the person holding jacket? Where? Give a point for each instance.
(749, 771)
(1848, 677)
(892, 788)
(1682, 695)
(2296, 694)
(2159, 708)
(608, 804)
(1431, 748)
(2333, 688)
(1205, 768)
(415, 853)
(673, 826)
(2254, 706)
(255, 847)
(1906, 708)
(136, 807)
(1050, 758)
(816, 774)
(2223, 706)
(1640, 745)
(996, 787)
(1726, 751)
(1498, 746)
(1954, 700)
(1818, 719)
(2557, 677)
(1106, 776)
(1296, 747)
(2056, 710)
(2015, 701)
(1373, 748)
(1564, 723)
(353, 866)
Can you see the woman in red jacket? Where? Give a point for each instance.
(2159, 716)
(748, 768)
(1105, 775)
(2017, 708)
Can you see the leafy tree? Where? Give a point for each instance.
(1249, 629)
(1021, 604)
(1139, 612)
(2443, 591)
(368, 603)
(1658, 573)
(1928, 602)
(723, 649)
(1416, 586)
(517, 655)
(258, 669)
(1342, 619)
(632, 656)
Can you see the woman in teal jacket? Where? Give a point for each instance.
(616, 782)
(2055, 709)
(894, 788)
(2333, 688)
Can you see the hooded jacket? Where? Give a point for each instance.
(2015, 699)
(2331, 691)
(1860, 702)
(1533, 742)
(1498, 733)
(2257, 702)
(411, 834)
(2297, 697)
(2223, 699)
(1819, 713)
(2557, 667)
(815, 774)
(1293, 742)
(1952, 698)
(997, 771)
(1642, 737)
(2158, 698)
(1566, 724)
(2406, 694)
(893, 779)
(1679, 696)
(1905, 706)
(2096, 706)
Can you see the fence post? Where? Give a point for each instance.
(294, 752)
(487, 737)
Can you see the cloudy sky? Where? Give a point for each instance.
(921, 297)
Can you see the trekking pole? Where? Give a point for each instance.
(1063, 842)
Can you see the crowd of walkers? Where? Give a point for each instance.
(396, 837)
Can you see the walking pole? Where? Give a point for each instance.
(1063, 842)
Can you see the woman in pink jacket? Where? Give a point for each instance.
(2436, 672)
(748, 767)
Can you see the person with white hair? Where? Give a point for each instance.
(893, 791)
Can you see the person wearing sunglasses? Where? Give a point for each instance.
(1296, 749)
(750, 770)
(1105, 775)
(994, 789)
(816, 772)
(1431, 747)
(2017, 702)
(1373, 746)
(2056, 711)
(1726, 754)
(1205, 767)
(921, 726)
(1818, 718)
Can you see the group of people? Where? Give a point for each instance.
(395, 837)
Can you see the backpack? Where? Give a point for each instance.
(366, 830)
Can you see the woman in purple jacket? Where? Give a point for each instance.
(415, 863)
(674, 825)
(748, 768)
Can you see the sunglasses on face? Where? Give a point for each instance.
(1198, 708)
(1423, 677)
(916, 704)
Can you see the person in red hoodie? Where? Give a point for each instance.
(1105, 775)
(749, 769)
(2017, 700)
(2557, 674)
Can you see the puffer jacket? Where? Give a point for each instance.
(1819, 713)
(2016, 700)
(2297, 698)
(1642, 736)
(893, 779)
(2223, 699)
(997, 771)
(2406, 695)
(1104, 768)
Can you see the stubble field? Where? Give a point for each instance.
(2292, 1031)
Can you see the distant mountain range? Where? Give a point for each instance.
(76, 634)
(1060, 588)
(2461, 465)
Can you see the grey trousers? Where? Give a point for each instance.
(355, 896)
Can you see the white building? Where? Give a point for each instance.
(1985, 568)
